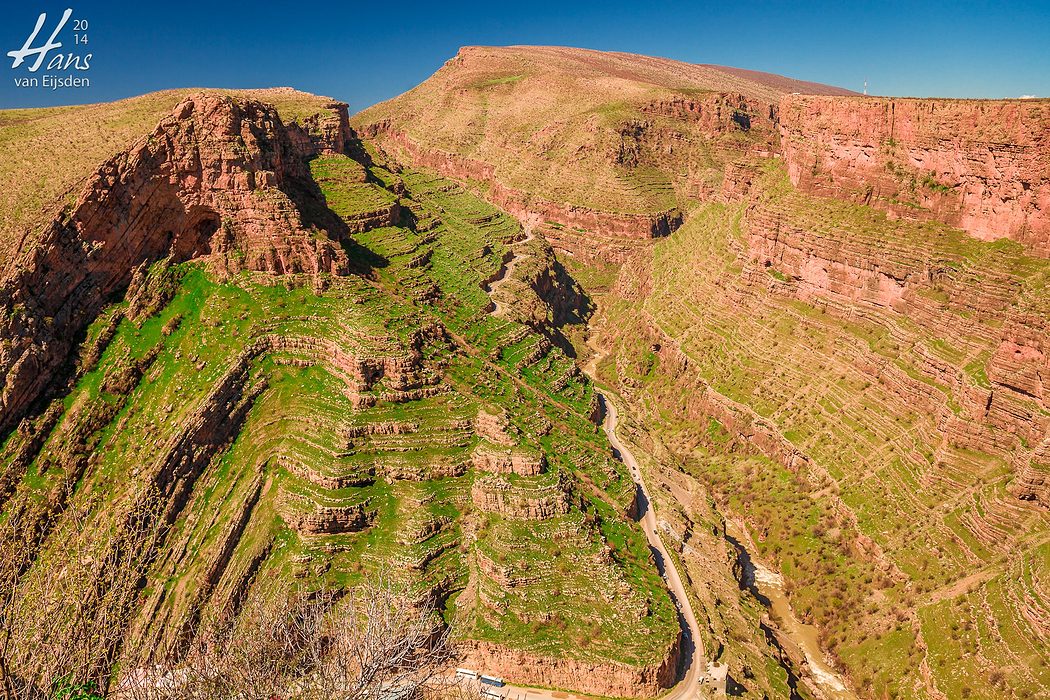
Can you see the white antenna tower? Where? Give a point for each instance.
(865, 86)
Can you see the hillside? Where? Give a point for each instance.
(584, 138)
(832, 322)
(249, 343)
(246, 354)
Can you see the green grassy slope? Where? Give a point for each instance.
(354, 453)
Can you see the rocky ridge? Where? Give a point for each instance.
(587, 140)
(217, 179)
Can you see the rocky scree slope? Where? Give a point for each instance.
(288, 370)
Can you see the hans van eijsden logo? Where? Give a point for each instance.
(64, 70)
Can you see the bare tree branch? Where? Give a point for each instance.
(376, 642)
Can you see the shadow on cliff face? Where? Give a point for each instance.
(196, 240)
(86, 261)
(567, 306)
(306, 194)
(688, 648)
(571, 308)
(745, 569)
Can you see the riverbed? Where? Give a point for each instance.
(769, 585)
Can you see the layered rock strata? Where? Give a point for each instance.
(980, 165)
(214, 180)
(1001, 399)
(606, 679)
(497, 461)
(324, 133)
(494, 494)
(523, 205)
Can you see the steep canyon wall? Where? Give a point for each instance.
(217, 179)
(980, 165)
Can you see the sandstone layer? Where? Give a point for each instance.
(980, 165)
(596, 678)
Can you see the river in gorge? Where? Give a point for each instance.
(769, 586)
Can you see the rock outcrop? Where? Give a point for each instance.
(606, 679)
(324, 133)
(980, 165)
(494, 427)
(217, 179)
(326, 520)
(1033, 476)
(494, 494)
(487, 458)
(718, 113)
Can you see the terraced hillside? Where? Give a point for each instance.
(314, 388)
(242, 344)
(870, 442)
(861, 394)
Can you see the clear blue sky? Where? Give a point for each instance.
(365, 52)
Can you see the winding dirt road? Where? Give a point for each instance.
(695, 667)
(507, 269)
(687, 687)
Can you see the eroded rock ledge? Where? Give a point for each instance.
(493, 493)
(607, 679)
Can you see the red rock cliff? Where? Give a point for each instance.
(980, 165)
(217, 179)
(609, 679)
(323, 133)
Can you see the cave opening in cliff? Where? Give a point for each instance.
(195, 240)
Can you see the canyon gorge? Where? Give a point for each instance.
(273, 343)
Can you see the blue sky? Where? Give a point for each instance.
(365, 52)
